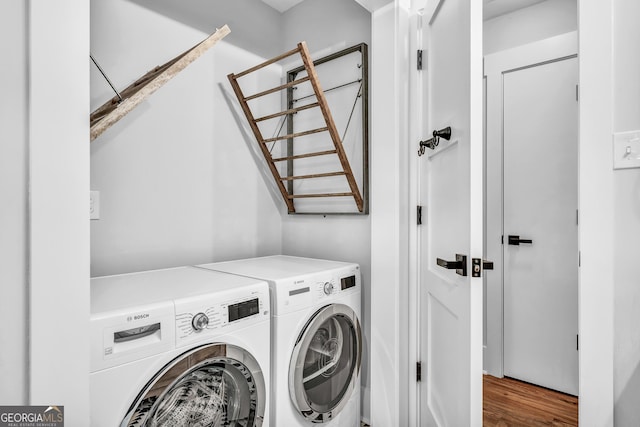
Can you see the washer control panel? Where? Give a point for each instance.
(200, 321)
(219, 312)
(328, 288)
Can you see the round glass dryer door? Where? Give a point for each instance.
(325, 365)
(216, 385)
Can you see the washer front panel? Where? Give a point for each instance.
(325, 364)
(213, 385)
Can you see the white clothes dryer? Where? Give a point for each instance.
(179, 347)
(316, 338)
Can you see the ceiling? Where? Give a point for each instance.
(492, 8)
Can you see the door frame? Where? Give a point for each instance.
(393, 292)
(596, 204)
(495, 65)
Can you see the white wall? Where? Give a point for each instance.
(339, 237)
(59, 228)
(13, 209)
(323, 24)
(178, 177)
(626, 74)
(255, 27)
(540, 21)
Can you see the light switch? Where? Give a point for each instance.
(626, 150)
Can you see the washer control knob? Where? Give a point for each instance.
(328, 288)
(200, 321)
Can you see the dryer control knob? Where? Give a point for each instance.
(200, 321)
(328, 288)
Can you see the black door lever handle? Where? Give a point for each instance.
(460, 264)
(516, 240)
(450, 265)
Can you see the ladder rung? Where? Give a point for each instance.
(269, 62)
(276, 89)
(295, 135)
(303, 156)
(305, 196)
(318, 175)
(290, 111)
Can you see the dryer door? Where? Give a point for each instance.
(325, 365)
(213, 385)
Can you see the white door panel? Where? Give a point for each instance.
(498, 65)
(451, 196)
(540, 202)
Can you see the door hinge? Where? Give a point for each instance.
(419, 59)
(419, 214)
(418, 371)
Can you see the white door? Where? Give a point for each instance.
(540, 224)
(451, 197)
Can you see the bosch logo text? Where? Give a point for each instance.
(138, 317)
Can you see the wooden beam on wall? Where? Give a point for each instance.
(113, 110)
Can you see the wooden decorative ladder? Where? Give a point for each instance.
(330, 127)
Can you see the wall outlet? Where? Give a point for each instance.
(626, 150)
(94, 205)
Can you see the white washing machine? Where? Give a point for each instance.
(179, 347)
(316, 338)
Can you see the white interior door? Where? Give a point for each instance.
(451, 195)
(540, 206)
(497, 66)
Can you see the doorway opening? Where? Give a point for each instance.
(531, 178)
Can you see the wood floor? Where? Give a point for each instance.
(512, 403)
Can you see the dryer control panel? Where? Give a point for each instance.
(308, 290)
(221, 313)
